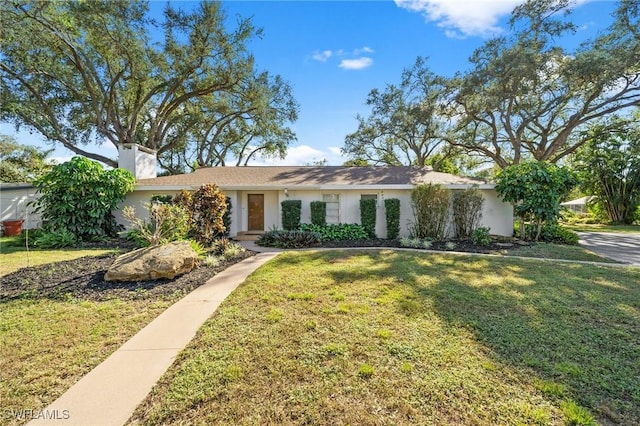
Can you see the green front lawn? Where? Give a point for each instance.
(556, 251)
(14, 256)
(390, 337)
(48, 345)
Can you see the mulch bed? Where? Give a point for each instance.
(83, 279)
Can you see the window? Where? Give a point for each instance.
(333, 207)
(369, 197)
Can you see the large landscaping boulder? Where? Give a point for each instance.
(150, 263)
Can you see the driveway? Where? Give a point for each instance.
(624, 248)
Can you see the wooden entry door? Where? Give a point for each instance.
(256, 212)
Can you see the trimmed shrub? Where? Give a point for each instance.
(392, 213)
(481, 236)
(289, 239)
(291, 212)
(431, 206)
(337, 232)
(368, 216)
(319, 213)
(467, 211)
(550, 233)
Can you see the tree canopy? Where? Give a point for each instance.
(21, 163)
(526, 97)
(80, 72)
(535, 188)
(405, 126)
(609, 166)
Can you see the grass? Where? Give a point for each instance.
(48, 345)
(557, 251)
(14, 256)
(406, 338)
(598, 227)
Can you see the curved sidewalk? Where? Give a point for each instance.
(109, 394)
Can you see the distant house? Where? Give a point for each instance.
(578, 205)
(256, 193)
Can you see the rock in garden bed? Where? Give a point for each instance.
(83, 279)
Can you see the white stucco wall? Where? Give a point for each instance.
(496, 215)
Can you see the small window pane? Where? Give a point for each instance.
(333, 207)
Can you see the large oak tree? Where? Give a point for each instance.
(79, 72)
(405, 126)
(525, 97)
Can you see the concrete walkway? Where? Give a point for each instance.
(110, 393)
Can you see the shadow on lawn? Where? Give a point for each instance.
(576, 326)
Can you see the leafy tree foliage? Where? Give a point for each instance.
(237, 126)
(21, 163)
(79, 196)
(392, 215)
(431, 207)
(318, 213)
(206, 207)
(526, 98)
(609, 167)
(405, 125)
(368, 216)
(535, 189)
(356, 162)
(78, 72)
(467, 211)
(291, 214)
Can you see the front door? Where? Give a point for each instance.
(256, 212)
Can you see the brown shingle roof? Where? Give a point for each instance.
(308, 176)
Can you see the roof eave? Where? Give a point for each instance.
(281, 187)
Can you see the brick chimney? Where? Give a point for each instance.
(138, 160)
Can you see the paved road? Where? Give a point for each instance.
(624, 248)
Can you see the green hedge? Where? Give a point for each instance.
(291, 214)
(337, 232)
(392, 213)
(368, 216)
(319, 213)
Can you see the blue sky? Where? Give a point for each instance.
(334, 52)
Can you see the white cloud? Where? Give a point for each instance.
(463, 18)
(365, 49)
(347, 60)
(356, 64)
(322, 56)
